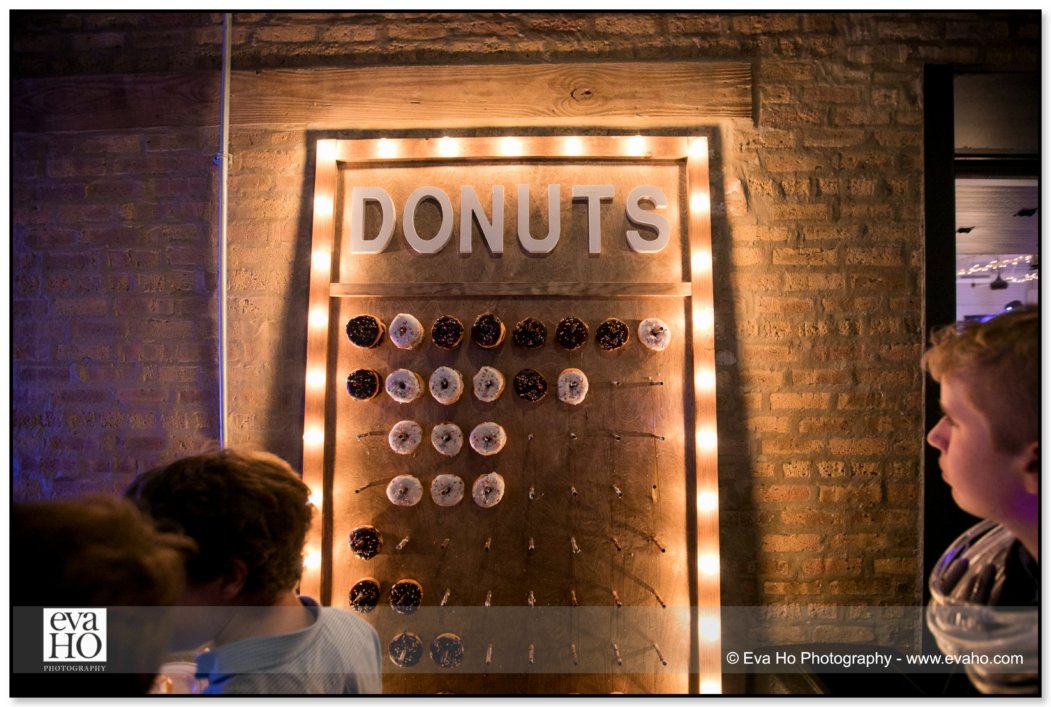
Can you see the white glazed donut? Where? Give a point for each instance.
(654, 334)
(488, 490)
(406, 332)
(405, 436)
(447, 438)
(404, 385)
(488, 384)
(446, 385)
(572, 386)
(447, 490)
(488, 438)
(404, 490)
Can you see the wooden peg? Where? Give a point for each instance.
(659, 654)
(616, 654)
(403, 543)
(616, 599)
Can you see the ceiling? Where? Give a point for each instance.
(997, 116)
(990, 208)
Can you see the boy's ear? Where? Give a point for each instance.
(1032, 469)
(234, 580)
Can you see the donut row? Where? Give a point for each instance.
(406, 650)
(405, 595)
(487, 438)
(447, 490)
(446, 385)
(488, 332)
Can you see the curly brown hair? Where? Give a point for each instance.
(247, 505)
(97, 551)
(998, 364)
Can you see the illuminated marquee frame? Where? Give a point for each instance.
(699, 290)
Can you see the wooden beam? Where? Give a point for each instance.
(638, 95)
(629, 95)
(127, 102)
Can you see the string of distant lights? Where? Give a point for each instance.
(997, 265)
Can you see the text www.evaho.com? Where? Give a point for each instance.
(965, 659)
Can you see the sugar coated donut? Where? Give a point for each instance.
(529, 334)
(488, 384)
(572, 386)
(654, 334)
(488, 490)
(406, 332)
(447, 650)
(404, 490)
(365, 542)
(405, 436)
(611, 334)
(365, 331)
(404, 385)
(571, 333)
(406, 595)
(530, 385)
(446, 385)
(447, 490)
(364, 595)
(488, 438)
(488, 331)
(447, 438)
(405, 650)
(447, 332)
(363, 384)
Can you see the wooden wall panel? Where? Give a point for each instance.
(611, 517)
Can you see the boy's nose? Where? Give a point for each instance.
(935, 437)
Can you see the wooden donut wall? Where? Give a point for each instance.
(581, 580)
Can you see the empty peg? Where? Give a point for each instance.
(573, 490)
(572, 597)
(445, 543)
(658, 543)
(616, 654)
(659, 654)
(532, 653)
(532, 493)
(489, 598)
(532, 545)
(403, 543)
(531, 600)
(488, 544)
(659, 600)
(576, 658)
(616, 599)
(616, 543)
(489, 654)
(616, 490)
(445, 597)
(574, 546)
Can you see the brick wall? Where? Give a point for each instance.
(817, 225)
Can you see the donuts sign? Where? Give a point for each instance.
(591, 196)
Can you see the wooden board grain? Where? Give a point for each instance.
(126, 102)
(610, 94)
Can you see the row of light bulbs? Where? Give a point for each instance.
(511, 146)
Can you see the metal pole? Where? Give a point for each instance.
(223, 160)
